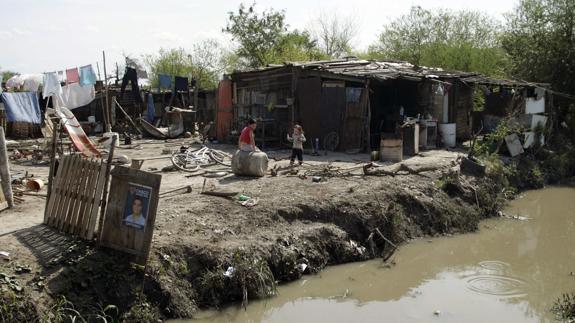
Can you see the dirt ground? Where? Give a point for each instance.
(198, 237)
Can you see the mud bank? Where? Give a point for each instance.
(298, 228)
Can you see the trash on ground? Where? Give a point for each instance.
(230, 272)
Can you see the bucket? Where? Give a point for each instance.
(448, 134)
(35, 184)
(108, 136)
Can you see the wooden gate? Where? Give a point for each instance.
(74, 202)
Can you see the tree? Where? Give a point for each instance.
(297, 46)
(7, 74)
(257, 34)
(205, 63)
(457, 40)
(540, 38)
(334, 34)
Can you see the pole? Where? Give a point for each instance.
(105, 194)
(107, 111)
(5, 170)
(55, 133)
(127, 116)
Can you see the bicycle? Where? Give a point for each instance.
(191, 160)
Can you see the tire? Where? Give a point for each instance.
(183, 162)
(221, 157)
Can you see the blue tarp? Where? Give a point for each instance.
(151, 111)
(22, 107)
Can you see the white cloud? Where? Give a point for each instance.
(13, 33)
(168, 37)
(4, 34)
(92, 28)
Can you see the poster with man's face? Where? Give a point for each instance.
(137, 205)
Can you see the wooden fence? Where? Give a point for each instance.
(74, 201)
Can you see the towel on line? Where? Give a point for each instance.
(22, 107)
(74, 96)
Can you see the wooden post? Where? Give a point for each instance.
(127, 115)
(5, 170)
(106, 182)
(368, 123)
(55, 134)
(107, 111)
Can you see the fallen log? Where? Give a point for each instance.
(393, 170)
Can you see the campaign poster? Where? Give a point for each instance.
(137, 206)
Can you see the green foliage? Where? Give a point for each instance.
(529, 174)
(257, 34)
(263, 39)
(297, 46)
(251, 278)
(205, 62)
(7, 74)
(142, 311)
(540, 38)
(492, 141)
(564, 308)
(457, 40)
(498, 171)
(63, 311)
(15, 307)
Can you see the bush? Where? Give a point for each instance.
(564, 307)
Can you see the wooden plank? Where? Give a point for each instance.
(73, 195)
(67, 191)
(115, 232)
(78, 200)
(62, 209)
(87, 198)
(106, 184)
(58, 191)
(54, 193)
(6, 180)
(88, 217)
(97, 200)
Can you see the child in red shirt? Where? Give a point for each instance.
(247, 140)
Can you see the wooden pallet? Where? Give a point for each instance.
(74, 202)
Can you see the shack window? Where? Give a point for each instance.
(353, 94)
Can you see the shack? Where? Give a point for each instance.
(351, 104)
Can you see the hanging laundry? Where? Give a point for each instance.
(14, 82)
(87, 75)
(164, 82)
(51, 85)
(22, 107)
(74, 96)
(31, 82)
(131, 76)
(151, 111)
(181, 84)
(61, 77)
(72, 76)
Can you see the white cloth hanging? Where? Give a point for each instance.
(74, 96)
(51, 85)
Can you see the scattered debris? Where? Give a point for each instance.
(5, 255)
(185, 189)
(230, 272)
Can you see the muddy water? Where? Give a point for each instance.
(510, 271)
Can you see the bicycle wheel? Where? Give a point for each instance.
(221, 157)
(185, 162)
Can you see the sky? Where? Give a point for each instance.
(47, 35)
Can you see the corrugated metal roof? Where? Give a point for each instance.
(388, 70)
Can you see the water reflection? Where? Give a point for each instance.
(511, 271)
